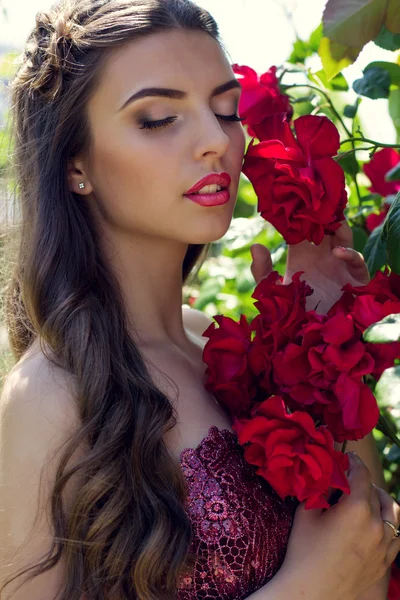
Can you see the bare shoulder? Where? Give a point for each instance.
(195, 320)
(37, 417)
(38, 392)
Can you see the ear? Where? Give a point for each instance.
(77, 174)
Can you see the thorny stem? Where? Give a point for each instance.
(376, 144)
(325, 94)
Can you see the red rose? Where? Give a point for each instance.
(295, 457)
(369, 304)
(226, 355)
(281, 307)
(373, 220)
(260, 96)
(355, 410)
(327, 352)
(383, 161)
(300, 188)
(282, 312)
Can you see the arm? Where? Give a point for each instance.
(37, 414)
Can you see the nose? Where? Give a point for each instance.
(211, 139)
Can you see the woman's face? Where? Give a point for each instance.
(138, 176)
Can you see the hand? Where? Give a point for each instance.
(327, 267)
(344, 551)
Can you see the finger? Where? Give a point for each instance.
(355, 263)
(261, 265)
(359, 478)
(375, 502)
(343, 236)
(390, 510)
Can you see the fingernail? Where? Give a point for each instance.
(342, 248)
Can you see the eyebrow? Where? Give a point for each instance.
(178, 94)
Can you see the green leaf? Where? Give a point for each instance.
(300, 51)
(387, 390)
(387, 428)
(375, 251)
(394, 108)
(350, 110)
(391, 234)
(374, 84)
(353, 23)
(336, 57)
(348, 162)
(316, 37)
(360, 238)
(387, 40)
(393, 174)
(385, 331)
(392, 68)
(392, 21)
(337, 83)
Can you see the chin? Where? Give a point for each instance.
(211, 229)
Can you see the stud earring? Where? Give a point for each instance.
(81, 185)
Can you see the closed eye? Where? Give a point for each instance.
(165, 122)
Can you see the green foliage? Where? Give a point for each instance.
(335, 57)
(354, 23)
(374, 84)
(387, 40)
(394, 110)
(375, 252)
(393, 174)
(302, 49)
(391, 234)
(385, 331)
(387, 389)
(393, 70)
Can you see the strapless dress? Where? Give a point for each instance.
(240, 526)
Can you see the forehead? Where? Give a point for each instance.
(188, 60)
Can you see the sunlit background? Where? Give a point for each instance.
(258, 33)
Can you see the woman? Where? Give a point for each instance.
(98, 454)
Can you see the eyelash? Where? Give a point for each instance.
(165, 122)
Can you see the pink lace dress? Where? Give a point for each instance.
(240, 526)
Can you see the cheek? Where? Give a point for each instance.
(131, 179)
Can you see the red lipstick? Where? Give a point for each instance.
(222, 196)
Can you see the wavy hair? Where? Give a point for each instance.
(127, 534)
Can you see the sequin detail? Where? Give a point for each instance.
(240, 526)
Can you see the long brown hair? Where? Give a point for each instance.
(127, 535)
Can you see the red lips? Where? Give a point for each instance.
(222, 179)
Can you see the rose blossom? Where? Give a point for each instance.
(300, 188)
(369, 304)
(373, 220)
(321, 371)
(383, 161)
(226, 354)
(282, 312)
(260, 96)
(292, 454)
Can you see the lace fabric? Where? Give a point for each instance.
(240, 526)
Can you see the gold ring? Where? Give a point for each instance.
(396, 531)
